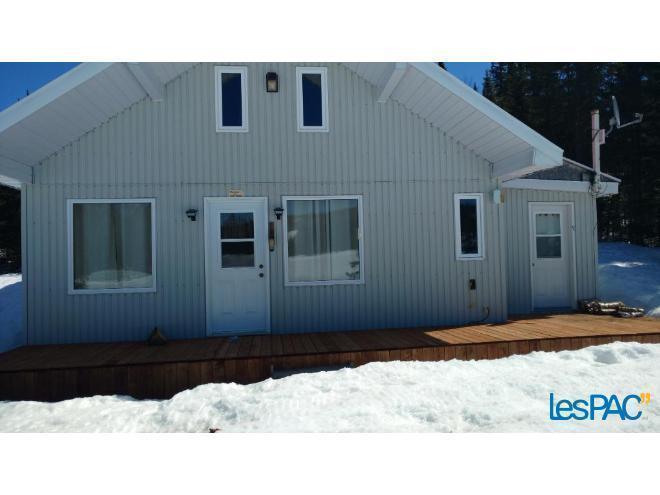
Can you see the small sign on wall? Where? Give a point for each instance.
(236, 193)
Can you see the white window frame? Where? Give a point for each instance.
(324, 98)
(72, 290)
(287, 282)
(230, 69)
(481, 246)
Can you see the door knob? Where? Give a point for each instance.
(261, 275)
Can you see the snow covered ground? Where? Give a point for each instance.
(11, 308)
(630, 274)
(504, 395)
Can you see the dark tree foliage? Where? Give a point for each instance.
(10, 230)
(556, 100)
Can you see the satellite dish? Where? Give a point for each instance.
(615, 109)
(615, 122)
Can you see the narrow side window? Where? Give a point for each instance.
(468, 214)
(231, 113)
(312, 89)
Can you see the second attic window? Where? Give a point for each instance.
(312, 98)
(231, 99)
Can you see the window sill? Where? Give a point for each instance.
(470, 258)
(82, 292)
(232, 129)
(313, 129)
(324, 282)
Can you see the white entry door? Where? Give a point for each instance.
(237, 275)
(551, 228)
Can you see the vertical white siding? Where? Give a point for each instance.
(518, 244)
(406, 170)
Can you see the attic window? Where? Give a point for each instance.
(312, 89)
(231, 113)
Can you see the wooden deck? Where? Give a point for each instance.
(130, 368)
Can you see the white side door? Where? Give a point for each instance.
(551, 256)
(237, 274)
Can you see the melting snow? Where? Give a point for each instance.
(631, 274)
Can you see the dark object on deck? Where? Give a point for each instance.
(214, 430)
(156, 338)
(617, 308)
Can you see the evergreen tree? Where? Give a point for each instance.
(556, 100)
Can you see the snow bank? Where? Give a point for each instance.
(11, 309)
(631, 274)
(509, 394)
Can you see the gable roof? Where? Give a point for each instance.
(88, 95)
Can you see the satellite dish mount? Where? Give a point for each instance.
(598, 136)
(615, 120)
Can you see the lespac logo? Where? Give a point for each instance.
(599, 406)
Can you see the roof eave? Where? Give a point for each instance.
(541, 154)
(50, 92)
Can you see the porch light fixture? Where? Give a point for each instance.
(192, 214)
(272, 82)
(278, 212)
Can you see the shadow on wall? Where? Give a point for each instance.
(11, 312)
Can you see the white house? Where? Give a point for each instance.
(213, 199)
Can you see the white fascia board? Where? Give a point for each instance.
(50, 92)
(491, 110)
(150, 83)
(559, 185)
(611, 188)
(9, 182)
(522, 163)
(16, 172)
(398, 71)
(513, 164)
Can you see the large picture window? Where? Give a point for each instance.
(111, 245)
(323, 240)
(231, 99)
(312, 88)
(468, 215)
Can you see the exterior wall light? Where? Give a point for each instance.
(272, 82)
(192, 214)
(278, 212)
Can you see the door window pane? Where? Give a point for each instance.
(548, 247)
(323, 240)
(112, 246)
(237, 254)
(469, 229)
(312, 96)
(236, 225)
(547, 224)
(232, 100)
